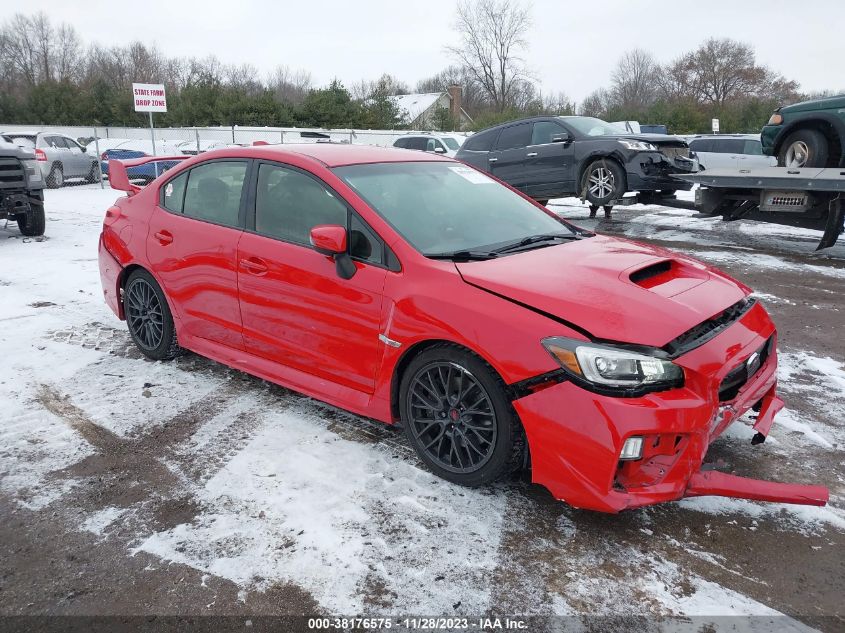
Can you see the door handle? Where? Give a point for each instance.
(530, 154)
(164, 237)
(254, 265)
(492, 160)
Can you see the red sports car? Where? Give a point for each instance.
(414, 289)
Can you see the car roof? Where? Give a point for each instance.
(337, 154)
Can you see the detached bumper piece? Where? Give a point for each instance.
(714, 483)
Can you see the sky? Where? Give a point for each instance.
(573, 45)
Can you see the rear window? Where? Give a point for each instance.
(451, 143)
(481, 142)
(214, 192)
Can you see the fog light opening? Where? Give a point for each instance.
(632, 449)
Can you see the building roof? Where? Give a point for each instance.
(416, 104)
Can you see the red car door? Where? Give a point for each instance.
(192, 247)
(296, 310)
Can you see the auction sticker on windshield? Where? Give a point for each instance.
(471, 174)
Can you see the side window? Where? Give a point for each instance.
(55, 141)
(701, 145)
(515, 136)
(753, 148)
(417, 142)
(480, 142)
(401, 142)
(173, 193)
(364, 244)
(544, 131)
(288, 204)
(732, 146)
(214, 192)
(430, 145)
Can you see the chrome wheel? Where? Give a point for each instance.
(144, 314)
(452, 417)
(797, 154)
(601, 182)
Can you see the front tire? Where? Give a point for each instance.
(148, 317)
(32, 223)
(458, 418)
(804, 148)
(603, 181)
(93, 174)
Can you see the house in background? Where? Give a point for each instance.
(418, 110)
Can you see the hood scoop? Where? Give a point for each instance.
(668, 277)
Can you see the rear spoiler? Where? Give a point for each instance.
(119, 179)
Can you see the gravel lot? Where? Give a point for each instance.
(134, 487)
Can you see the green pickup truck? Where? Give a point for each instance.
(807, 134)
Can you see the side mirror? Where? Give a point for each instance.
(561, 138)
(330, 240)
(84, 149)
(439, 150)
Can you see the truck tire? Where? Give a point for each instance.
(603, 181)
(33, 222)
(804, 148)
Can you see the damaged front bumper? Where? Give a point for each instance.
(652, 171)
(576, 437)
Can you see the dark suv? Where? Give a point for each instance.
(552, 157)
(807, 134)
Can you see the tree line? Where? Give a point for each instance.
(48, 75)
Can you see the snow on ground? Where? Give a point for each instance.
(276, 488)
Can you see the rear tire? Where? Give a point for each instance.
(148, 317)
(93, 175)
(603, 181)
(458, 418)
(804, 148)
(33, 223)
(56, 177)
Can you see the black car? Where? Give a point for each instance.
(552, 157)
(21, 188)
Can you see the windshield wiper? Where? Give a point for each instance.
(464, 255)
(535, 239)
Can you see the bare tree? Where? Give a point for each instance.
(723, 70)
(493, 35)
(596, 104)
(386, 84)
(634, 84)
(32, 50)
(289, 86)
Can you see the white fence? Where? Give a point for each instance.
(202, 137)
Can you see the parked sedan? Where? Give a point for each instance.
(131, 149)
(730, 151)
(59, 156)
(446, 144)
(413, 289)
(551, 157)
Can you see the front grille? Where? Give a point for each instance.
(674, 152)
(703, 332)
(11, 174)
(742, 373)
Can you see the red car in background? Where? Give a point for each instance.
(414, 289)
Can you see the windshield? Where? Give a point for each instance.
(451, 143)
(442, 207)
(592, 127)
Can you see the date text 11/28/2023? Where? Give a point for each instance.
(419, 623)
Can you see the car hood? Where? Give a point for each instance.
(614, 289)
(654, 139)
(816, 104)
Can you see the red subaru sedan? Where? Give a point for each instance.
(416, 290)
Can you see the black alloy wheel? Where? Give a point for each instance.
(144, 314)
(148, 317)
(458, 416)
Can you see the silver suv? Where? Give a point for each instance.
(59, 156)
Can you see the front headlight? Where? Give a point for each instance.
(775, 119)
(33, 172)
(613, 367)
(639, 146)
